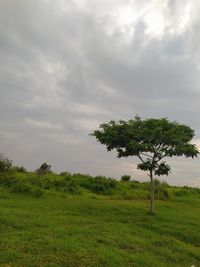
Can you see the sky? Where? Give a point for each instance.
(69, 65)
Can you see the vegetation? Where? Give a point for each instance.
(5, 163)
(125, 178)
(151, 140)
(43, 169)
(19, 181)
(32, 184)
(76, 220)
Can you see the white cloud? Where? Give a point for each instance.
(89, 110)
(197, 143)
(70, 65)
(195, 183)
(46, 125)
(86, 124)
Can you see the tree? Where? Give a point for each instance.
(126, 178)
(151, 140)
(5, 163)
(44, 168)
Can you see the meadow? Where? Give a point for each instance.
(75, 220)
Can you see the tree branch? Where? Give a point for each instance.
(146, 155)
(140, 158)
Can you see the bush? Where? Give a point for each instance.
(7, 180)
(26, 189)
(126, 178)
(98, 184)
(19, 169)
(43, 169)
(71, 186)
(65, 173)
(5, 164)
(102, 185)
(21, 188)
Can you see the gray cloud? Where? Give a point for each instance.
(68, 66)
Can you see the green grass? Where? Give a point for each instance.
(94, 230)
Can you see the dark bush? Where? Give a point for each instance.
(21, 188)
(71, 186)
(126, 178)
(102, 185)
(5, 164)
(7, 180)
(19, 169)
(98, 184)
(26, 189)
(44, 169)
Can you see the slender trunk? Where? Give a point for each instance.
(152, 192)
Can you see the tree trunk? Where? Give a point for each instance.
(152, 192)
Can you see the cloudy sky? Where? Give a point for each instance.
(69, 65)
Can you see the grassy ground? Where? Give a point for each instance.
(80, 231)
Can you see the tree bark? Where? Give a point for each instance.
(152, 192)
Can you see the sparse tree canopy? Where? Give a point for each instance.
(151, 140)
(44, 168)
(5, 163)
(126, 178)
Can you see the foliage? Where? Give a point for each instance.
(159, 138)
(126, 178)
(73, 184)
(19, 169)
(5, 163)
(97, 184)
(43, 169)
(19, 184)
(31, 184)
(26, 189)
(151, 140)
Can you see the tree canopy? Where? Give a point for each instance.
(151, 140)
(5, 163)
(43, 169)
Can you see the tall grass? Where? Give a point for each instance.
(30, 183)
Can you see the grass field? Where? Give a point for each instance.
(80, 231)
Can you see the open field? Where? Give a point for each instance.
(89, 230)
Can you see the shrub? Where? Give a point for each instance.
(26, 189)
(7, 180)
(126, 178)
(43, 169)
(5, 164)
(65, 173)
(98, 184)
(71, 186)
(19, 169)
(21, 188)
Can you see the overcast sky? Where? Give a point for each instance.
(69, 65)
